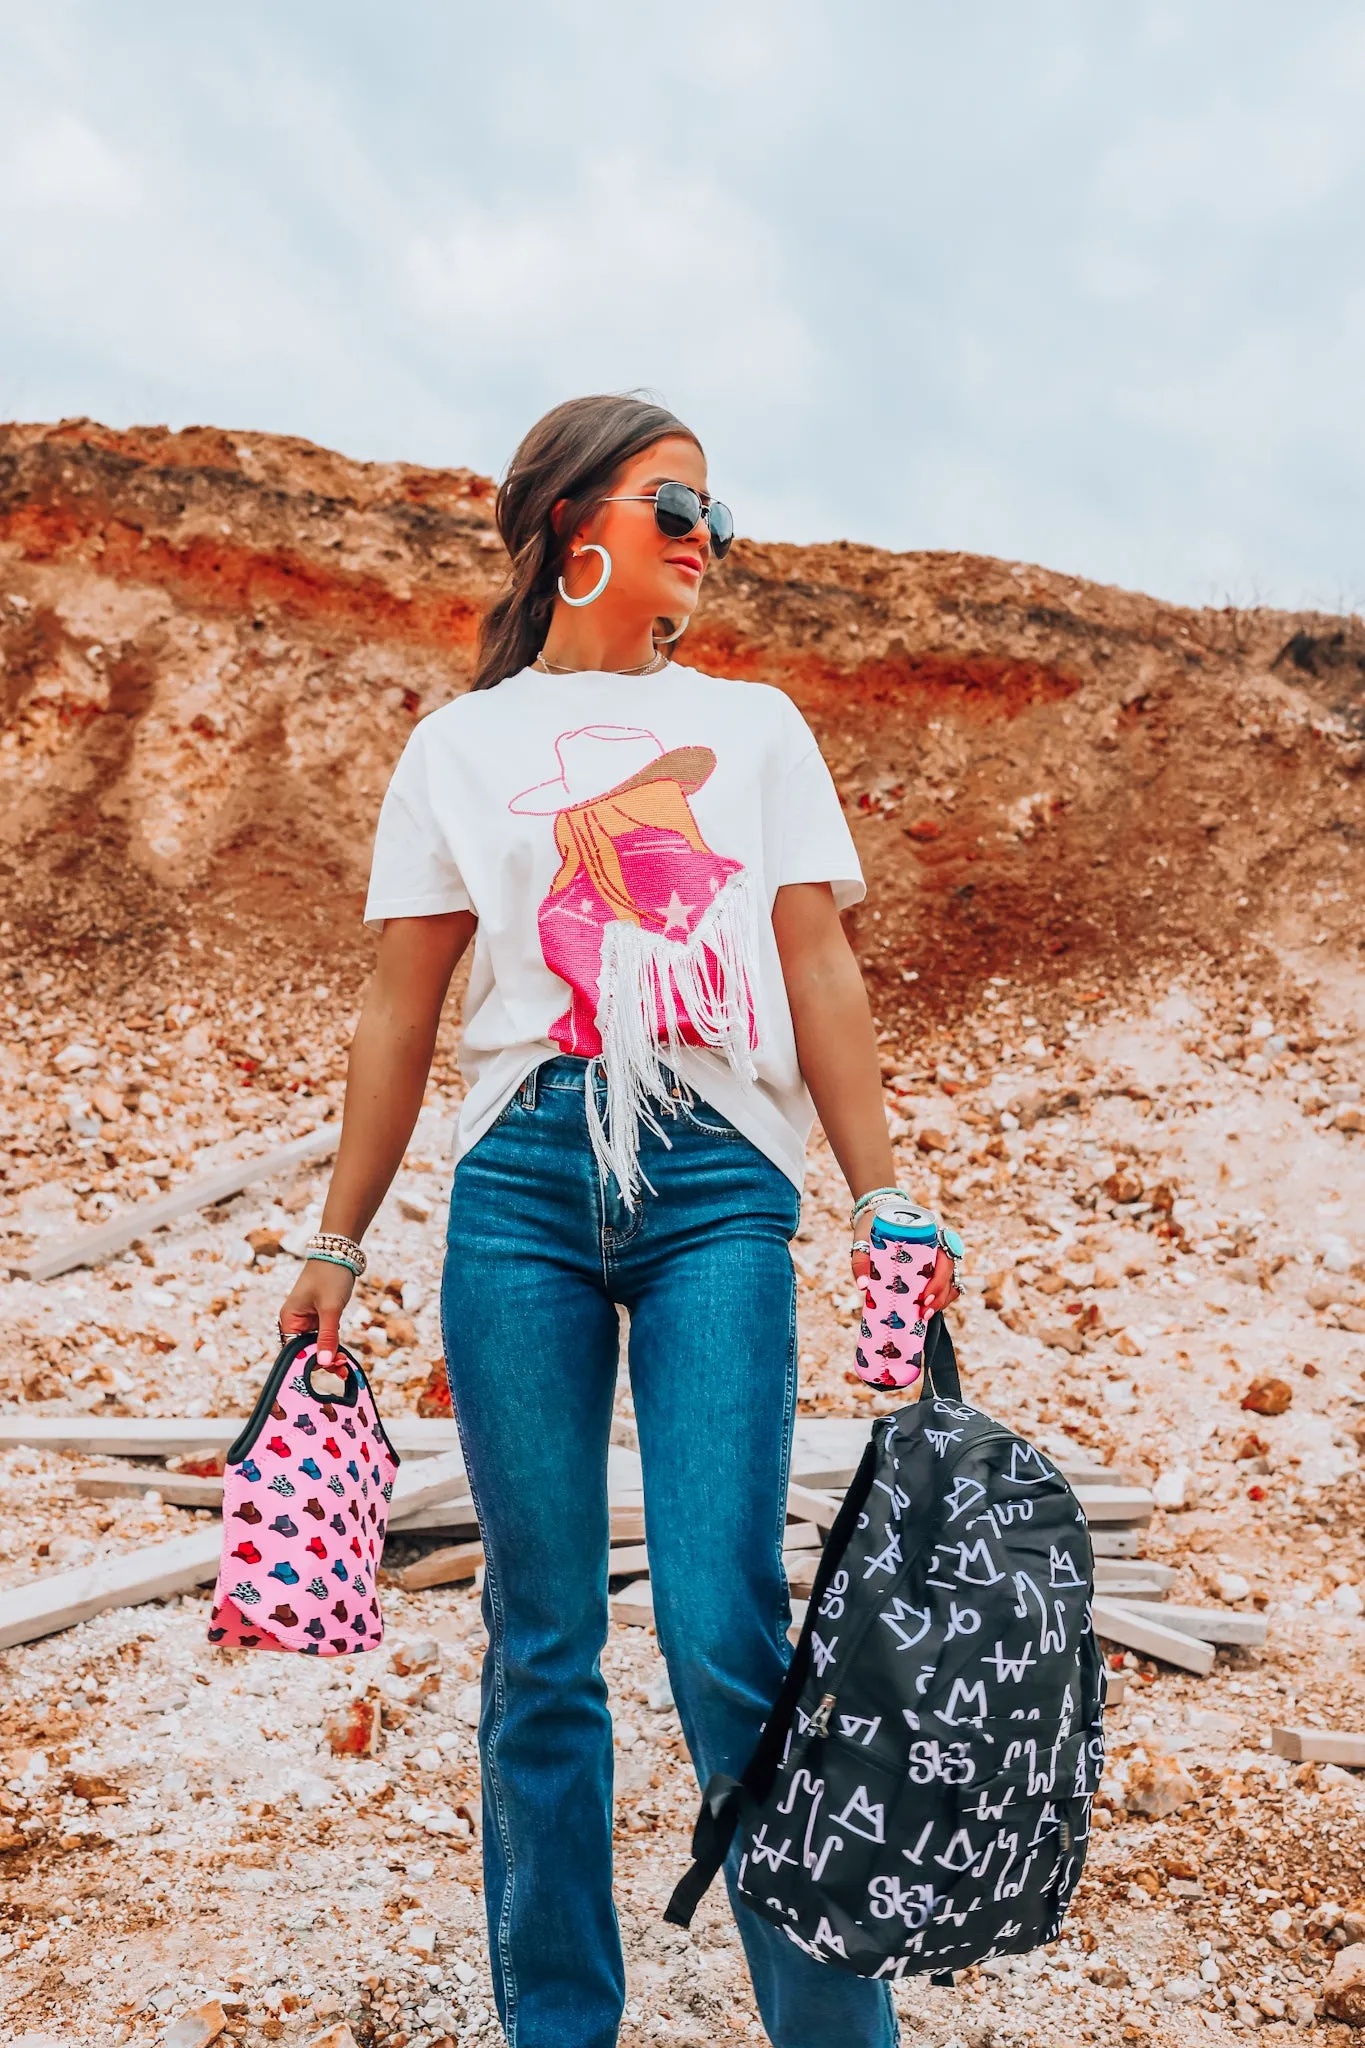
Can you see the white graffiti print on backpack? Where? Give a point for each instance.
(929, 1803)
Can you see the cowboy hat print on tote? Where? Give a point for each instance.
(651, 929)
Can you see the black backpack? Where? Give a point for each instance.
(919, 1798)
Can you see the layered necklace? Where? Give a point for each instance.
(656, 661)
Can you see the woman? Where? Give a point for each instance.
(651, 864)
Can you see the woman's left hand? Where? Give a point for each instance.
(937, 1295)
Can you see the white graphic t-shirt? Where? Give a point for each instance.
(621, 840)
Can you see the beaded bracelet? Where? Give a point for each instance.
(335, 1259)
(875, 1195)
(342, 1248)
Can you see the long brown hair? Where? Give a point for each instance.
(572, 453)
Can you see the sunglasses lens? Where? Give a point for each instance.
(722, 524)
(677, 508)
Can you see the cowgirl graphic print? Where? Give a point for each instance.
(651, 930)
(620, 841)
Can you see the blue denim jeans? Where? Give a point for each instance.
(538, 1256)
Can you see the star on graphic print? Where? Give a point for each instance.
(677, 914)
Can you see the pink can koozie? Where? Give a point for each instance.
(306, 1492)
(890, 1349)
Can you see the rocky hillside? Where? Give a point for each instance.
(1112, 933)
(212, 646)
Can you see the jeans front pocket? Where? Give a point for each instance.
(525, 1096)
(699, 1116)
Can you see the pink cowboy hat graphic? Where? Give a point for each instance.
(599, 761)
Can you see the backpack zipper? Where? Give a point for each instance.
(819, 1720)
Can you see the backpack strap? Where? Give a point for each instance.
(724, 1796)
(940, 1359)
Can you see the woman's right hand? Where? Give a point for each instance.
(315, 1302)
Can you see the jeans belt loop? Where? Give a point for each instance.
(527, 1093)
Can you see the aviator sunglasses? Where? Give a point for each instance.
(677, 509)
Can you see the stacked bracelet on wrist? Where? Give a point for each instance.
(869, 1201)
(335, 1250)
(945, 1238)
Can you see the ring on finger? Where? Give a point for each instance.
(860, 1244)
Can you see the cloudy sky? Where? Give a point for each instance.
(1079, 282)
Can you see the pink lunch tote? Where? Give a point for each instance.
(306, 1492)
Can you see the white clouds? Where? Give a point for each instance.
(1067, 284)
(62, 164)
(1252, 163)
(624, 265)
(1110, 273)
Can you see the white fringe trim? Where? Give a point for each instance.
(643, 973)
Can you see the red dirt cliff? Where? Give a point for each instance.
(212, 646)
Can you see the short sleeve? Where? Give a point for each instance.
(817, 845)
(413, 872)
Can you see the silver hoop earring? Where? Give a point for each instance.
(589, 547)
(667, 639)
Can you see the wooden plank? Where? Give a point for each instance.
(445, 1567)
(634, 1604)
(625, 1475)
(1116, 1689)
(838, 1441)
(1319, 1746)
(802, 1536)
(1126, 1504)
(420, 1436)
(121, 1436)
(1129, 1592)
(826, 1450)
(801, 1567)
(456, 1562)
(180, 1492)
(1115, 1542)
(452, 1514)
(1206, 1624)
(414, 1437)
(627, 1523)
(429, 1483)
(166, 1436)
(1134, 1629)
(1075, 1464)
(88, 1247)
(61, 1599)
(822, 1475)
(820, 1508)
(1137, 1571)
(833, 1440)
(627, 1560)
(176, 1491)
